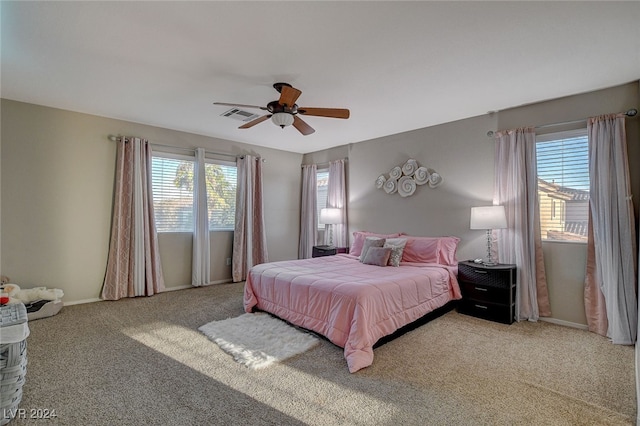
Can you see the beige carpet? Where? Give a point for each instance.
(143, 362)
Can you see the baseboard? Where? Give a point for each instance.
(80, 302)
(225, 281)
(565, 323)
(182, 287)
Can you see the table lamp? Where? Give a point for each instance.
(330, 216)
(489, 218)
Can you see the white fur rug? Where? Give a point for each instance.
(258, 340)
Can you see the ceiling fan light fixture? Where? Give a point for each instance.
(282, 119)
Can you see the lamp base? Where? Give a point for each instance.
(489, 261)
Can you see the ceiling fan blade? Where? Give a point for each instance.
(239, 105)
(302, 127)
(254, 122)
(325, 112)
(289, 95)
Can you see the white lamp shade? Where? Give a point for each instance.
(330, 216)
(490, 217)
(282, 119)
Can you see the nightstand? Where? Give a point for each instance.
(488, 292)
(319, 251)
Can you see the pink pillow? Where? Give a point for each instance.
(359, 237)
(448, 247)
(440, 250)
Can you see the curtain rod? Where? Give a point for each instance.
(117, 138)
(629, 113)
(325, 164)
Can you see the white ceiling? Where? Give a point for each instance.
(397, 66)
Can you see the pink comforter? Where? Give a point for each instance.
(350, 303)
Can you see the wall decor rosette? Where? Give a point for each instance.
(404, 179)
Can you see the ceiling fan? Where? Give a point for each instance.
(284, 112)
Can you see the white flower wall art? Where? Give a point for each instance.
(404, 179)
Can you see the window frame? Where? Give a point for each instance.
(219, 162)
(323, 171)
(191, 158)
(560, 208)
(177, 157)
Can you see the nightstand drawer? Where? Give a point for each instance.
(484, 276)
(484, 293)
(319, 251)
(486, 310)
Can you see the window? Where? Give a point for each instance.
(173, 189)
(222, 181)
(172, 193)
(322, 179)
(563, 185)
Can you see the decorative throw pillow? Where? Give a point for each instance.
(368, 243)
(378, 256)
(360, 236)
(397, 247)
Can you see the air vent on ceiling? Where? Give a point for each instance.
(238, 114)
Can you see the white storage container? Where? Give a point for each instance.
(14, 330)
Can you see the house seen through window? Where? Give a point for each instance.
(173, 193)
(563, 185)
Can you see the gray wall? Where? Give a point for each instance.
(464, 155)
(57, 170)
(57, 176)
(459, 151)
(565, 262)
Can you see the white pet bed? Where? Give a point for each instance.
(48, 309)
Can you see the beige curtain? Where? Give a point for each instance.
(133, 265)
(516, 188)
(611, 268)
(337, 198)
(308, 212)
(249, 238)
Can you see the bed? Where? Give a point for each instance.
(354, 301)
